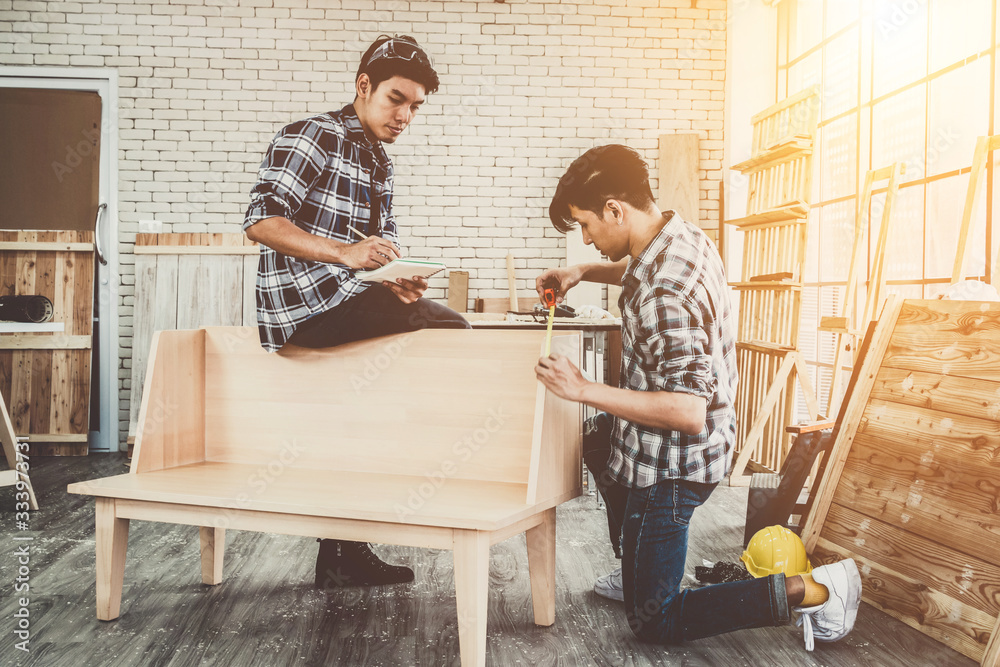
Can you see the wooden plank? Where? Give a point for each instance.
(218, 283)
(941, 567)
(679, 171)
(44, 246)
(42, 341)
(250, 291)
(957, 625)
(171, 428)
(79, 382)
(155, 310)
(850, 419)
(196, 250)
(956, 395)
(908, 507)
(971, 196)
(458, 291)
(20, 397)
(60, 408)
(41, 391)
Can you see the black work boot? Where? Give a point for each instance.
(342, 563)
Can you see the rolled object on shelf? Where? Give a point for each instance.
(25, 308)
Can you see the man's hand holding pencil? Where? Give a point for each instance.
(376, 251)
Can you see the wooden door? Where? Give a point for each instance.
(49, 183)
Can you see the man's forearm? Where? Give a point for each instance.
(674, 411)
(609, 273)
(281, 235)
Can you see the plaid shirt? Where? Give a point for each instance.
(319, 173)
(677, 336)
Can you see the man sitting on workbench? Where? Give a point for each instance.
(664, 439)
(321, 209)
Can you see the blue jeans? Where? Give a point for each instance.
(654, 534)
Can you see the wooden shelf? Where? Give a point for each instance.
(791, 214)
(30, 327)
(764, 346)
(785, 150)
(766, 284)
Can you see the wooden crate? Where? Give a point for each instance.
(911, 491)
(185, 281)
(45, 377)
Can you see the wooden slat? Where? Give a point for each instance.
(957, 395)
(910, 508)
(196, 250)
(957, 625)
(249, 281)
(45, 246)
(938, 565)
(43, 341)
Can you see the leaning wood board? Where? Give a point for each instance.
(915, 500)
(45, 377)
(185, 281)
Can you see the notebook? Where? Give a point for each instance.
(401, 268)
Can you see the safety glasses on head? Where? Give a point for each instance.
(398, 49)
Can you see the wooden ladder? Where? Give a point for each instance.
(770, 287)
(17, 462)
(843, 326)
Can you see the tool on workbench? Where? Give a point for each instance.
(550, 300)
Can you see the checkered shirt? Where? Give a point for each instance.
(320, 173)
(677, 336)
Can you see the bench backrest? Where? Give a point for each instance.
(437, 403)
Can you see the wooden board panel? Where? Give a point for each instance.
(941, 567)
(911, 601)
(219, 269)
(678, 167)
(918, 497)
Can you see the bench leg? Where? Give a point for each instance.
(213, 549)
(472, 579)
(112, 541)
(542, 568)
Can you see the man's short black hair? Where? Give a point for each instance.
(602, 173)
(412, 63)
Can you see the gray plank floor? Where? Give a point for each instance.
(267, 613)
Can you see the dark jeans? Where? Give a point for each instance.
(650, 530)
(375, 312)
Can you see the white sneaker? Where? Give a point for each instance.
(610, 586)
(833, 619)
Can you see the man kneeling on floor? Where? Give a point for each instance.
(664, 440)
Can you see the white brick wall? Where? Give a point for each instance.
(527, 86)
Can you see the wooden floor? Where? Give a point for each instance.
(267, 613)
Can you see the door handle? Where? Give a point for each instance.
(97, 235)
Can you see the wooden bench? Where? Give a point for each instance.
(440, 439)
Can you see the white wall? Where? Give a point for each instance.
(527, 86)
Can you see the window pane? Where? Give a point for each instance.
(959, 107)
(904, 249)
(840, 13)
(945, 205)
(840, 78)
(898, 132)
(806, 73)
(959, 29)
(837, 160)
(837, 241)
(808, 29)
(900, 32)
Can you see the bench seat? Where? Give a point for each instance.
(439, 439)
(459, 503)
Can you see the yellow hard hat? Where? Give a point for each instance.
(776, 549)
